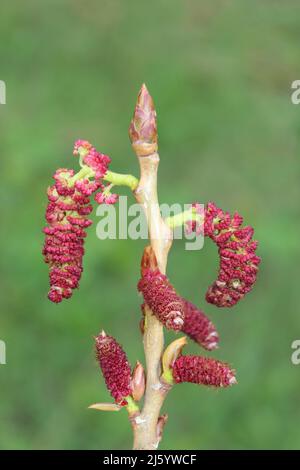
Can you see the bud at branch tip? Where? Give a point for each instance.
(143, 127)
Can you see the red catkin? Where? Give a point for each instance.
(115, 367)
(63, 248)
(238, 260)
(66, 215)
(198, 327)
(203, 371)
(159, 294)
(237, 251)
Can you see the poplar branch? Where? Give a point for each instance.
(143, 135)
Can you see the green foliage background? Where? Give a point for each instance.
(220, 73)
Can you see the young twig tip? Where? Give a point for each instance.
(143, 129)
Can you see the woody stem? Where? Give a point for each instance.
(145, 428)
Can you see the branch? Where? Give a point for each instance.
(180, 219)
(146, 426)
(118, 179)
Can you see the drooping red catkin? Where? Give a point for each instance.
(238, 260)
(198, 327)
(203, 371)
(63, 249)
(159, 294)
(66, 214)
(115, 367)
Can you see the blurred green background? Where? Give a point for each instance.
(220, 73)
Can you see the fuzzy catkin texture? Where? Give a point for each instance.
(66, 215)
(115, 367)
(203, 371)
(97, 161)
(161, 297)
(238, 260)
(198, 327)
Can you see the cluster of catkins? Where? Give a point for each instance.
(237, 274)
(124, 384)
(66, 214)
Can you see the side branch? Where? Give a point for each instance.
(182, 218)
(118, 179)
